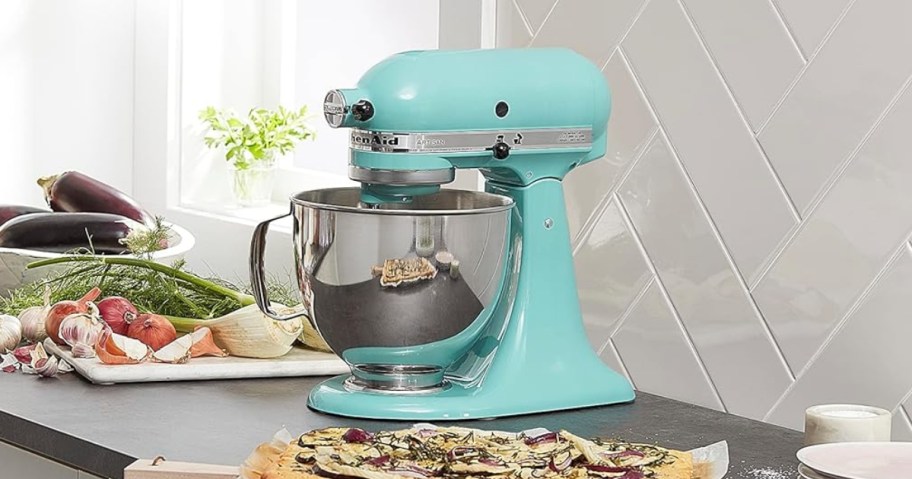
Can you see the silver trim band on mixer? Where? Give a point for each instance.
(469, 141)
(402, 378)
(437, 176)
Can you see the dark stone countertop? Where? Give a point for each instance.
(102, 429)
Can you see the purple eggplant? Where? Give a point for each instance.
(74, 192)
(64, 232)
(8, 212)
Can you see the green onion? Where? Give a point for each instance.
(153, 287)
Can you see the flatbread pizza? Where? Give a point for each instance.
(461, 453)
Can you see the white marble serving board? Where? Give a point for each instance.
(298, 362)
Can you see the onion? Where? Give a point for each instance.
(175, 352)
(204, 345)
(562, 465)
(153, 330)
(378, 461)
(542, 439)
(60, 310)
(600, 468)
(113, 348)
(118, 312)
(357, 435)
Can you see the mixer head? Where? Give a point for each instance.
(516, 115)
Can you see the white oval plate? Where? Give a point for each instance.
(808, 473)
(860, 460)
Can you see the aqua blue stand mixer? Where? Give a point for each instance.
(451, 304)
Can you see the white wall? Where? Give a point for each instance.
(66, 93)
(339, 41)
(744, 244)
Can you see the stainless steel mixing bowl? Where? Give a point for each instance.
(402, 337)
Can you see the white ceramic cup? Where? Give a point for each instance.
(846, 423)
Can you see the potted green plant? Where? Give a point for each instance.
(252, 144)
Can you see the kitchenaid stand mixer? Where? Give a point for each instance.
(524, 119)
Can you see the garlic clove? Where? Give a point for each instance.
(204, 345)
(8, 363)
(176, 352)
(46, 367)
(24, 353)
(64, 367)
(83, 351)
(37, 353)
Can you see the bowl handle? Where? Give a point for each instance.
(258, 272)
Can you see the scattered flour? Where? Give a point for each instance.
(768, 473)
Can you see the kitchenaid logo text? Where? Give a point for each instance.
(374, 140)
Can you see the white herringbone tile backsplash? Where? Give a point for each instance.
(745, 243)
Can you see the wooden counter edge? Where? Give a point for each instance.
(144, 469)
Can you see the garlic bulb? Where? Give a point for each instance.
(10, 333)
(80, 331)
(33, 318)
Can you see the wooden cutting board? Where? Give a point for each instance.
(298, 362)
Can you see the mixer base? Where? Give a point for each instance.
(460, 403)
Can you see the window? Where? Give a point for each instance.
(240, 53)
(245, 53)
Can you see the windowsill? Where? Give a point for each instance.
(248, 215)
(289, 181)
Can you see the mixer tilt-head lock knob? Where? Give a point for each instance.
(362, 110)
(501, 150)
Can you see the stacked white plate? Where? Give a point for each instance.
(856, 460)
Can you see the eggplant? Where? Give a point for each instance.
(74, 192)
(8, 212)
(65, 232)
